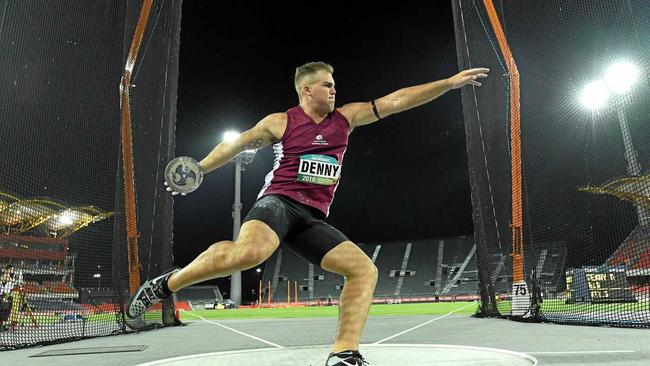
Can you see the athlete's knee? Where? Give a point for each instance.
(368, 270)
(221, 253)
(372, 272)
(255, 245)
(254, 251)
(364, 268)
(252, 255)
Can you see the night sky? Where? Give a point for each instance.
(403, 178)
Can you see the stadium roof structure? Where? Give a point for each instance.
(634, 252)
(44, 215)
(635, 189)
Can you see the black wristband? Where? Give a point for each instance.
(374, 109)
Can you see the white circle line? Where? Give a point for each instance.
(453, 346)
(257, 350)
(579, 352)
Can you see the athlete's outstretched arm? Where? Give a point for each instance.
(265, 132)
(359, 114)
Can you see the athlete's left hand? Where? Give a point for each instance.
(468, 77)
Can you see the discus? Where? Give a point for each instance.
(183, 175)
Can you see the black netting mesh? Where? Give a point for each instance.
(585, 179)
(63, 244)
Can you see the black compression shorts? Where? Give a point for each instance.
(300, 228)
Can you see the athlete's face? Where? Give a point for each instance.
(322, 91)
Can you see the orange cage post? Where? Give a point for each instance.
(127, 150)
(515, 154)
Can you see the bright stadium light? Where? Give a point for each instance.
(65, 218)
(621, 76)
(241, 160)
(594, 95)
(230, 136)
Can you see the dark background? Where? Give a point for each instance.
(404, 177)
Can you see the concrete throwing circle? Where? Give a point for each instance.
(376, 355)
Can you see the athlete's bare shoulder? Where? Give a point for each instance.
(276, 124)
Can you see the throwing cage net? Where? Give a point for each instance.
(87, 126)
(558, 157)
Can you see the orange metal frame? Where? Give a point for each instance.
(127, 149)
(515, 154)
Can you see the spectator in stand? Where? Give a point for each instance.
(18, 306)
(6, 285)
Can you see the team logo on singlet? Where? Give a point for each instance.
(319, 140)
(319, 169)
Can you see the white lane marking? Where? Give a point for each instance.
(423, 324)
(235, 330)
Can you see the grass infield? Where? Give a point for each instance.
(467, 308)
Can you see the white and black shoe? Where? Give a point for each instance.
(346, 358)
(151, 292)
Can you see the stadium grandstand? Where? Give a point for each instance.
(35, 242)
(443, 269)
(409, 271)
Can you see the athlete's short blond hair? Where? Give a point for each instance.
(305, 74)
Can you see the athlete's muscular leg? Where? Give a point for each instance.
(255, 244)
(361, 277)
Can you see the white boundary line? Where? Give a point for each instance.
(423, 324)
(234, 330)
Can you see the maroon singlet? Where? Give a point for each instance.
(308, 159)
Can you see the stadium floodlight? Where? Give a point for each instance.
(65, 218)
(621, 76)
(230, 136)
(594, 95)
(241, 160)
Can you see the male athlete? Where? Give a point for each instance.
(309, 142)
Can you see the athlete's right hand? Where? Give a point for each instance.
(183, 175)
(174, 193)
